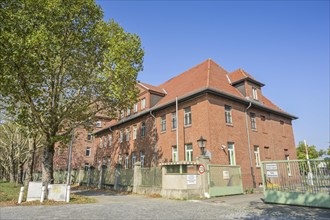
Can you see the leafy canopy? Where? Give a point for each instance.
(312, 152)
(61, 64)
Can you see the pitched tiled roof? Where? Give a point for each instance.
(239, 75)
(152, 88)
(207, 74)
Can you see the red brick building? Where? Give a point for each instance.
(83, 147)
(241, 126)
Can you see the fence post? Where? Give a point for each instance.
(101, 176)
(117, 176)
(204, 160)
(81, 176)
(137, 180)
(89, 176)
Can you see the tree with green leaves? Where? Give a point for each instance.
(61, 64)
(312, 152)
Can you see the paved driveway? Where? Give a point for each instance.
(112, 206)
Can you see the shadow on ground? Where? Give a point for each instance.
(277, 211)
(95, 193)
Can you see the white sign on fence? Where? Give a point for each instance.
(57, 192)
(225, 175)
(272, 174)
(271, 166)
(191, 179)
(34, 191)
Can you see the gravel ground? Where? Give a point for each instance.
(114, 206)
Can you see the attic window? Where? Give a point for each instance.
(254, 93)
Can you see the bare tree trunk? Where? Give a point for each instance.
(30, 160)
(47, 162)
(11, 169)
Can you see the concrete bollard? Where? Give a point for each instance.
(68, 194)
(42, 194)
(21, 193)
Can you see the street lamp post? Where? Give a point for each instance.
(201, 144)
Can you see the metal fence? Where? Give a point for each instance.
(312, 176)
(108, 177)
(151, 176)
(224, 180)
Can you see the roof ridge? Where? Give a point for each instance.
(243, 72)
(208, 73)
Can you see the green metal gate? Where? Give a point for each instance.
(297, 182)
(224, 180)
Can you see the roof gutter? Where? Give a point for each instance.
(198, 93)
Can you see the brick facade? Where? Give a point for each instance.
(206, 91)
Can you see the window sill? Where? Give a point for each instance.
(229, 125)
(163, 132)
(173, 129)
(258, 167)
(187, 126)
(254, 130)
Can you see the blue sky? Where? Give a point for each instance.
(284, 44)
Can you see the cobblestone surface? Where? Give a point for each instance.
(111, 206)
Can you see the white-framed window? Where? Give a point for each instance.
(257, 155)
(87, 166)
(174, 154)
(121, 136)
(98, 124)
(101, 143)
(104, 141)
(231, 154)
(128, 112)
(135, 108)
(143, 129)
(88, 151)
(133, 159)
(122, 113)
(254, 93)
(142, 159)
(89, 136)
(187, 116)
(110, 139)
(120, 159)
(228, 116)
(163, 123)
(174, 120)
(127, 134)
(143, 103)
(108, 162)
(253, 121)
(287, 157)
(189, 152)
(134, 132)
(126, 161)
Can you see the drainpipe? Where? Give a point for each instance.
(177, 127)
(155, 135)
(249, 145)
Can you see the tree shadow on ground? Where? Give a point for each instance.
(278, 211)
(93, 193)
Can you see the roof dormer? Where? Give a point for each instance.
(248, 86)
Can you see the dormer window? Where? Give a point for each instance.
(143, 103)
(254, 93)
(98, 124)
